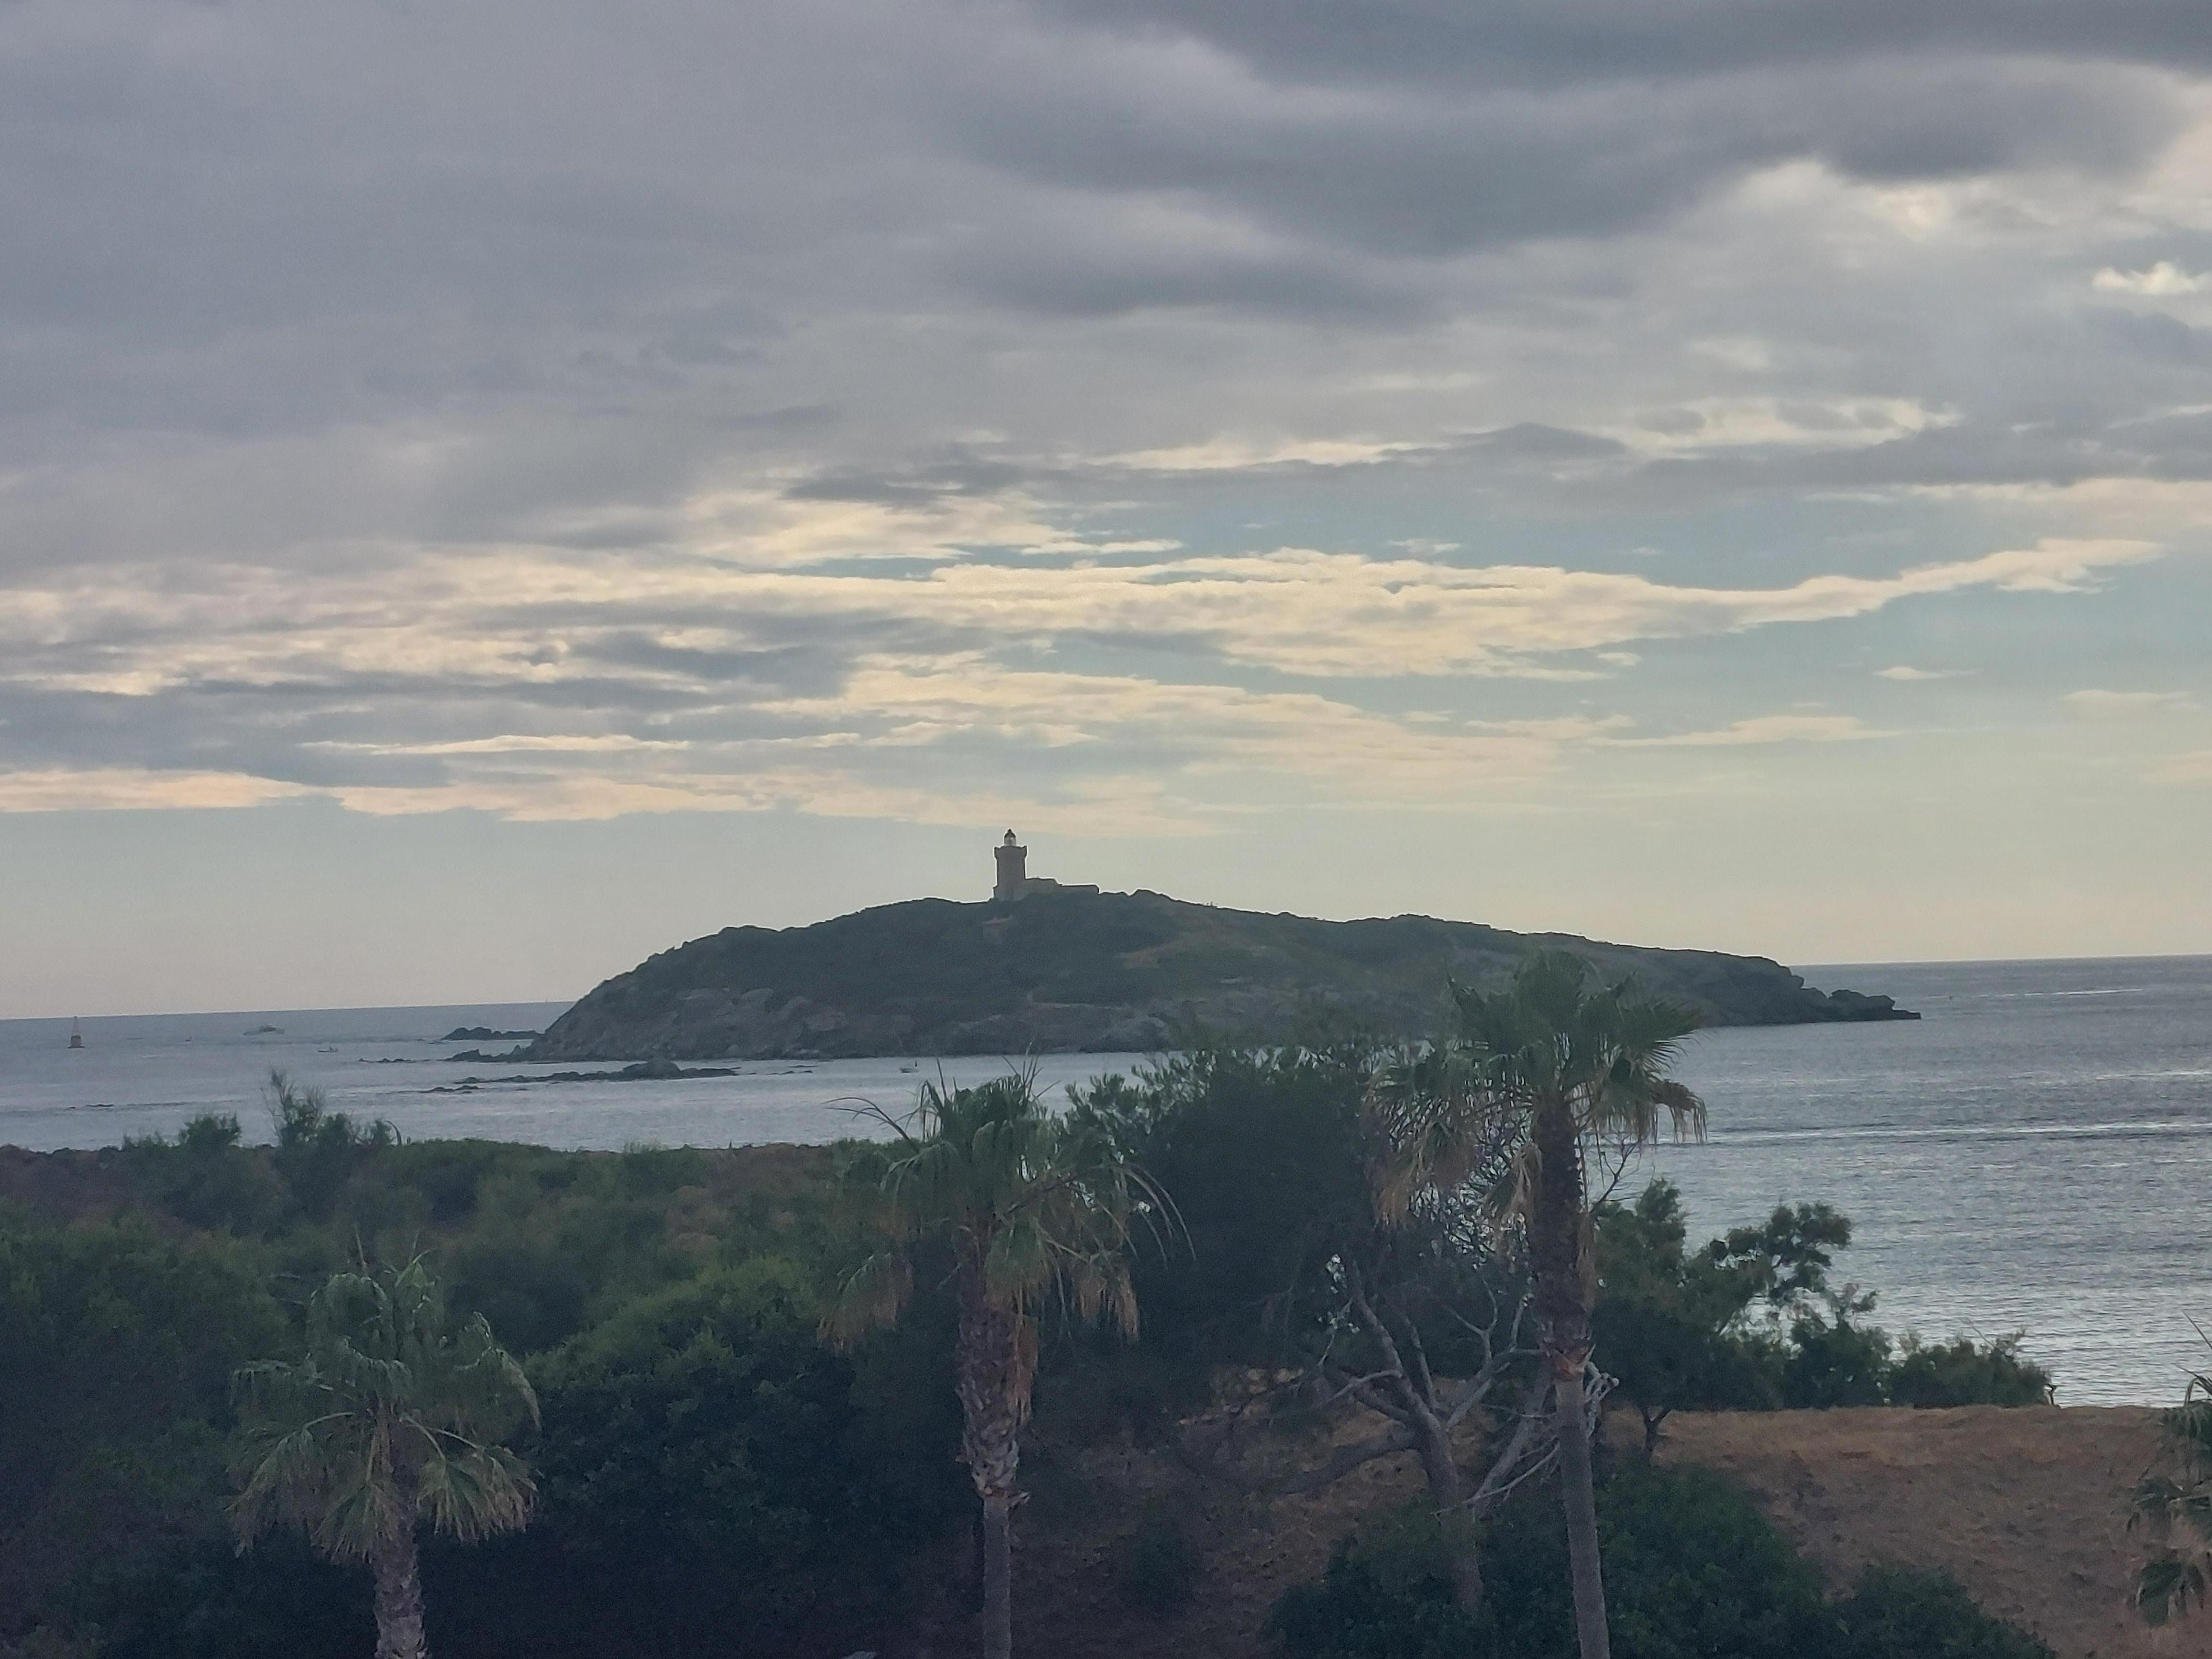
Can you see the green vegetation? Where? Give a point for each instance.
(390, 1421)
(1751, 1322)
(710, 1476)
(1027, 1204)
(1693, 1571)
(1533, 1080)
(2172, 1507)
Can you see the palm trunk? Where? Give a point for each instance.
(1579, 1493)
(399, 1599)
(1561, 1261)
(998, 1576)
(994, 1400)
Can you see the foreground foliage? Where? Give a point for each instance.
(713, 1477)
(1752, 1322)
(1029, 1206)
(1693, 1571)
(1555, 1071)
(2172, 1506)
(391, 1422)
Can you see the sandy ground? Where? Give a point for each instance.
(2022, 1506)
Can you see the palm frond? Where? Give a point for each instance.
(873, 1296)
(391, 1416)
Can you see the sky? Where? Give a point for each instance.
(488, 491)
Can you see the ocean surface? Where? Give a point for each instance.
(2035, 1155)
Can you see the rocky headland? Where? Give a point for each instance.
(1072, 970)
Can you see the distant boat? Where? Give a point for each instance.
(77, 1035)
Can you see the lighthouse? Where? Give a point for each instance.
(1013, 869)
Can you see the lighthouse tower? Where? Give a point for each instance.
(1013, 869)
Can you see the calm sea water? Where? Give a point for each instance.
(144, 1074)
(2035, 1154)
(2032, 1156)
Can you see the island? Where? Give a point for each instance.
(1045, 968)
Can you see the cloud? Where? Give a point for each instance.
(2158, 281)
(509, 743)
(1385, 150)
(547, 683)
(2196, 768)
(1118, 409)
(1763, 729)
(111, 789)
(1526, 43)
(1905, 671)
(2106, 705)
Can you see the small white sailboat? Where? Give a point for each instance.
(77, 1035)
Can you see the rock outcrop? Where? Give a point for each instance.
(1069, 970)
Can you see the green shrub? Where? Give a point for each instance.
(1961, 1373)
(116, 1344)
(1156, 1564)
(207, 1178)
(1693, 1570)
(1386, 1594)
(1895, 1613)
(1835, 1362)
(317, 1149)
(706, 1486)
(209, 1601)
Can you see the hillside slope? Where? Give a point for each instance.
(1073, 970)
(2023, 1507)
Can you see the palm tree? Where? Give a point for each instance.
(2176, 1513)
(392, 1420)
(1559, 1068)
(1029, 1204)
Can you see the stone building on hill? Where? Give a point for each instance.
(1013, 869)
(1015, 881)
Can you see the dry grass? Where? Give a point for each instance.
(2023, 1507)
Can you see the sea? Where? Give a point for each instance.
(2032, 1156)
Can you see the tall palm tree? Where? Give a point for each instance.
(1030, 1205)
(392, 1420)
(1561, 1068)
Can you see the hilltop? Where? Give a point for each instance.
(1066, 969)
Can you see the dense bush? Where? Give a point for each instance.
(1964, 1373)
(1387, 1594)
(708, 1487)
(1895, 1613)
(204, 1600)
(1750, 1322)
(1693, 1571)
(116, 1346)
(708, 1465)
